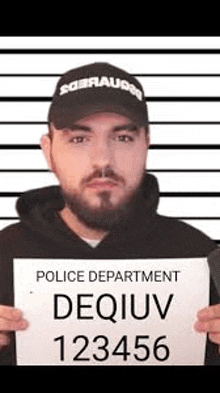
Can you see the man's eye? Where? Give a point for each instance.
(77, 139)
(124, 138)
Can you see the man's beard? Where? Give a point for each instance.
(106, 216)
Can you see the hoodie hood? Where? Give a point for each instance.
(41, 235)
(38, 209)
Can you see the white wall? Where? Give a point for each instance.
(181, 77)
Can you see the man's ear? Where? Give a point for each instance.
(46, 146)
(148, 139)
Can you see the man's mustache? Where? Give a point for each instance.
(107, 173)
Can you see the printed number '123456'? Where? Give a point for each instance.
(101, 351)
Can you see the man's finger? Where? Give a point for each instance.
(210, 326)
(7, 325)
(209, 312)
(10, 313)
(215, 338)
(4, 339)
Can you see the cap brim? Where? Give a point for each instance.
(63, 117)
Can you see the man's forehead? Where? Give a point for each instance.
(108, 121)
(105, 117)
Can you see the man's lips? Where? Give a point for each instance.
(97, 184)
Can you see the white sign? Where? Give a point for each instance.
(111, 312)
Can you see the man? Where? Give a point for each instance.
(105, 207)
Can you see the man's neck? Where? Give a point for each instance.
(79, 228)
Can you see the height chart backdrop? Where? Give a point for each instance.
(181, 77)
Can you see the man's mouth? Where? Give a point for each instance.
(99, 184)
(103, 179)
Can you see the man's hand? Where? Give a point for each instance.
(10, 320)
(209, 322)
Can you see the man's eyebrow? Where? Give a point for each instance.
(127, 127)
(79, 127)
(122, 127)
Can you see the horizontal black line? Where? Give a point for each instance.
(147, 99)
(162, 194)
(136, 75)
(182, 99)
(20, 147)
(109, 51)
(25, 99)
(184, 147)
(10, 194)
(24, 170)
(165, 75)
(23, 122)
(150, 170)
(152, 147)
(197, 218)
(164, 123)
(9, 218)
(183, 123)
(190, 194)
(185, 170)
(178, 218)
(150, 123)
(31, 75)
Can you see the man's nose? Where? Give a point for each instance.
(102, 155)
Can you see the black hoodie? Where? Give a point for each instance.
(41, 233)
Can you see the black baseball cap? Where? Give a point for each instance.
(94, 88)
